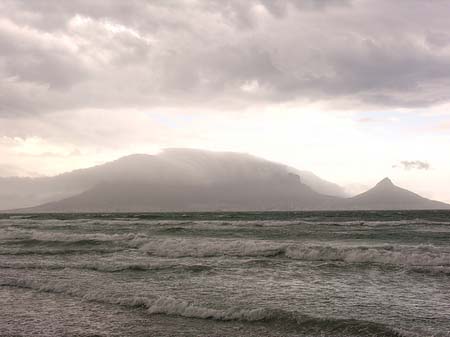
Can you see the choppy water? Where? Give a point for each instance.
(226, 274)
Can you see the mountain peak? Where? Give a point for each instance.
(386, 182)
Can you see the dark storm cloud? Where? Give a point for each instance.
(61, 55)
(413, 165)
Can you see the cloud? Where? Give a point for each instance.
(81, 54)
(13, 171)
(413, 165)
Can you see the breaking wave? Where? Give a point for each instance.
(49, 243)
(175, 307)
(169, 247)
(107, 267)
(384, 254)
(46, 236)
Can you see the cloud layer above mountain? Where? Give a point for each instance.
(98, 54)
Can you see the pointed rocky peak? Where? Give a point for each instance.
(386, 182)
(385, 195)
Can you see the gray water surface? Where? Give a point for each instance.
(226, 274)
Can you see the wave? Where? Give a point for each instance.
(281, 319)
(186, 247)
(25, 242)
(47, 242)
(431, 270)
(300, 222)
(107, 267)
(384, 254)
(20, 234)
(217, 223)
(56, 251)
(144, 267)
(375, 223)
(436, 270)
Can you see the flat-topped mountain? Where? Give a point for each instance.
(195, 180)
(187, 168)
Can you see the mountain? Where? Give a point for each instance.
(192, 180)
(385, 195)
(263, 191)
(320, 185)
(278, 193)
(177, 167)
(195, 180)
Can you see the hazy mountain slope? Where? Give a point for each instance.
(385, 195)
(174, 166)
(280, 192)
(320, 185)
(195, 180)
(23, 192)
(265, 191)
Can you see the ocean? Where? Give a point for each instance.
(226, 274)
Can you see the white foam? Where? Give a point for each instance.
(176, 247)
(154, 305)
(10, 233)
(395, 255)
(421, 255)
(49, 236)
(172, 306)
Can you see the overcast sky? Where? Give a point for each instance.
(351, 90)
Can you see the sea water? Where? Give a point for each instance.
(226, 274)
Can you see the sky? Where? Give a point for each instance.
(352, 90)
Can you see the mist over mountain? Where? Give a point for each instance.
(196, 180)
(172, 167)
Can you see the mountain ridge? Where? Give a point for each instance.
(185, 166)
(197, 180)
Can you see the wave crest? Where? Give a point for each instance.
(209, 248)
(394, 255)
(383, 254)
(174, 307)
